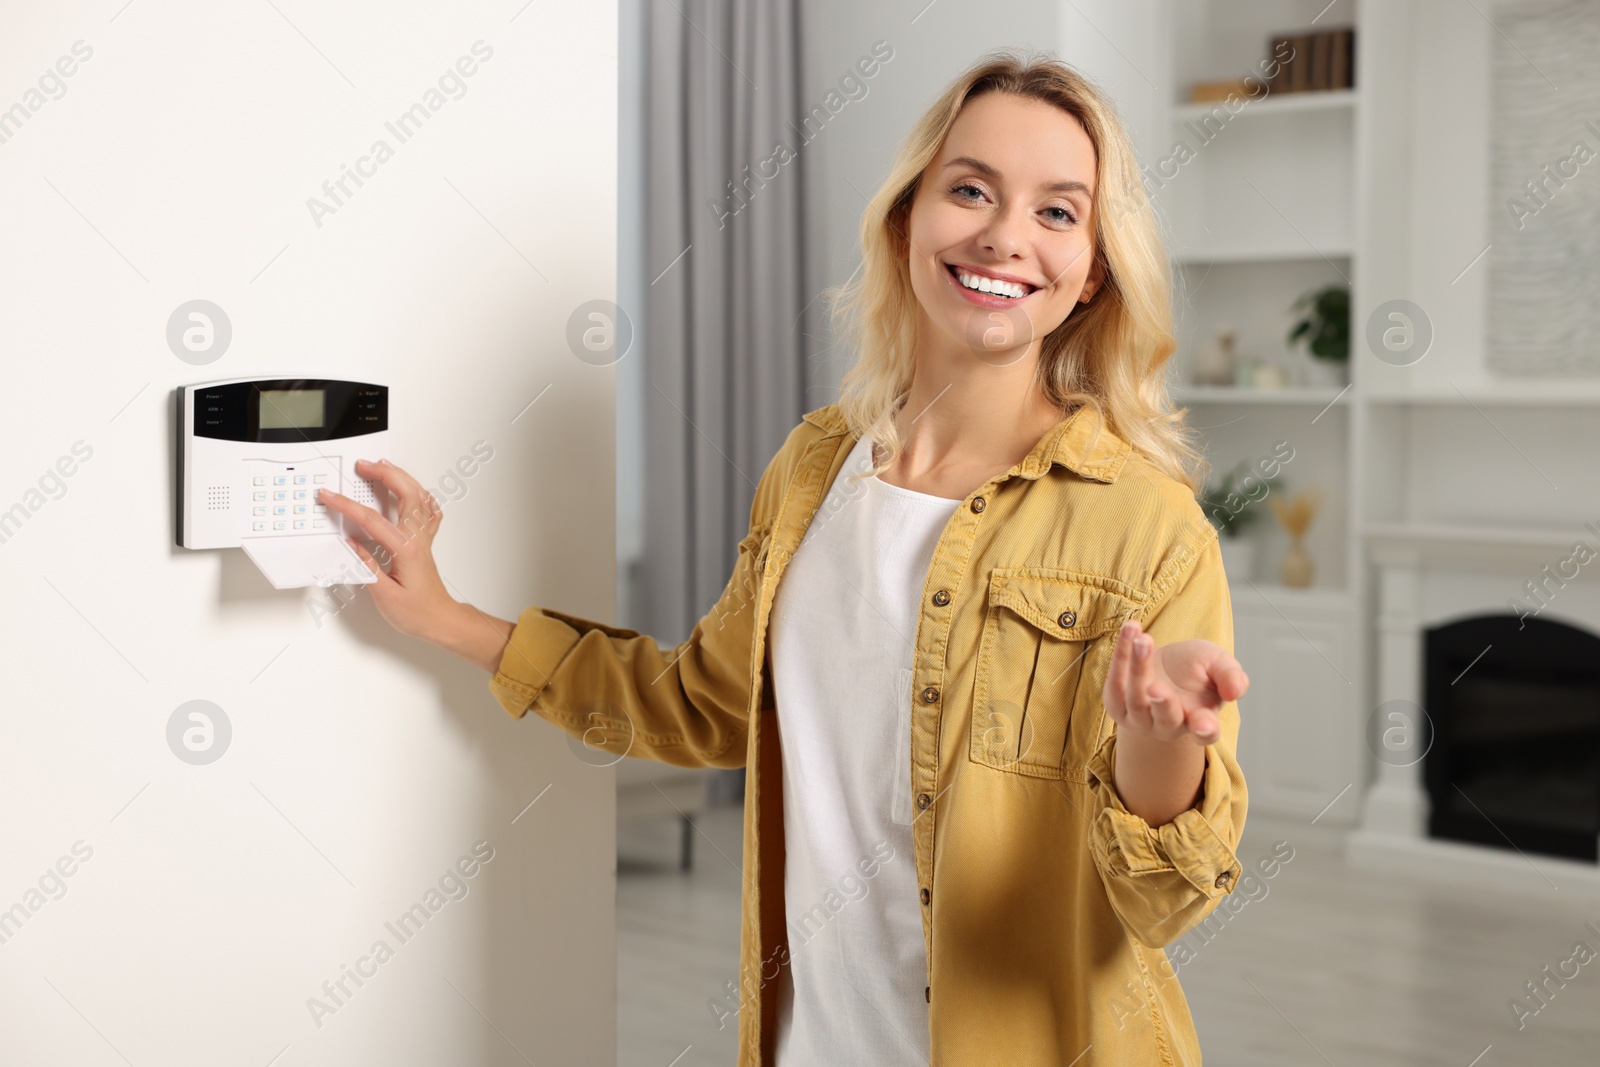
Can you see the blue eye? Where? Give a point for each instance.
(1070, 219)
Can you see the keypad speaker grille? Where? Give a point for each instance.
(219, 498)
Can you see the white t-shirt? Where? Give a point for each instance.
(843, 630)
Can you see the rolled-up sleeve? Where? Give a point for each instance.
(619, 692)
(1164, 880)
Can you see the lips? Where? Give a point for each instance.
(955, 273)
(993, 301)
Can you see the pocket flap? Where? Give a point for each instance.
(1064, 604)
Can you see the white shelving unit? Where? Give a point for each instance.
(1447, 489)
(1265, 208)
(1383, 188)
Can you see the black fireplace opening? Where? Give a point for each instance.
(1514, 760)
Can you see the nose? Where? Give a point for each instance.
(1004, 235)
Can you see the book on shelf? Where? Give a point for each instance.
(1344, 59)
(1317, 62)
(1300, 66)
(1212, 92)
(1321, 62)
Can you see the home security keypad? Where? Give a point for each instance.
(283, 497)
(252, 455)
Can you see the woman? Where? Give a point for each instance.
(990, 723)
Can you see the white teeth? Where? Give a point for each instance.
(991, 285)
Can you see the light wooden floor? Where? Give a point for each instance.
(1333, 965)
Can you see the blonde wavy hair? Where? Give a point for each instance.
(1109, 353)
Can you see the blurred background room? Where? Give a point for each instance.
(1385, 261)
(586, 270)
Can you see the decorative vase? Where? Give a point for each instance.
(1213, 364)
(1267, 376)
(1238, 556)
(1326, 372)
(1296, 569)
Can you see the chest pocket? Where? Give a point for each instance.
(1039, 631)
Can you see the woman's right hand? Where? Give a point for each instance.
(409, 591)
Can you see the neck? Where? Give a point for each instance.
(972, 416)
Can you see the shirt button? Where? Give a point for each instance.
(930, 694)
(1223, 879)
(978, 504)
(942, 597)
(923, 800)
(927, 993)
(1068, 619)
(926, 895)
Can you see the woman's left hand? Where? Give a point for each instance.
(1172, 692)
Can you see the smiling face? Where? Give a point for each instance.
(1001, 238)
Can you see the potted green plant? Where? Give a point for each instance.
(1231, 505)
(1324, 326)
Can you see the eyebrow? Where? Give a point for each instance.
(1069, 186)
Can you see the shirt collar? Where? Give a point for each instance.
(1071, 443)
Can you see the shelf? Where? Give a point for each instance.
(1257, 254)
(1313, 396)
(1479, 545)
(1279, 104)
(1573, 393)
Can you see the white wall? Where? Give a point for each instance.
(219, 898)
(1477, 464)
(633, 281)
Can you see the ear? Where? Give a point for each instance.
(1095, 279)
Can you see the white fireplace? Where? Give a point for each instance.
(1431, 574)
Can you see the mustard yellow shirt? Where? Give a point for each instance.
(1046, 903)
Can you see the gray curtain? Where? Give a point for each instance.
(724, 365)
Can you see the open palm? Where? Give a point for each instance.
(1174, 691)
